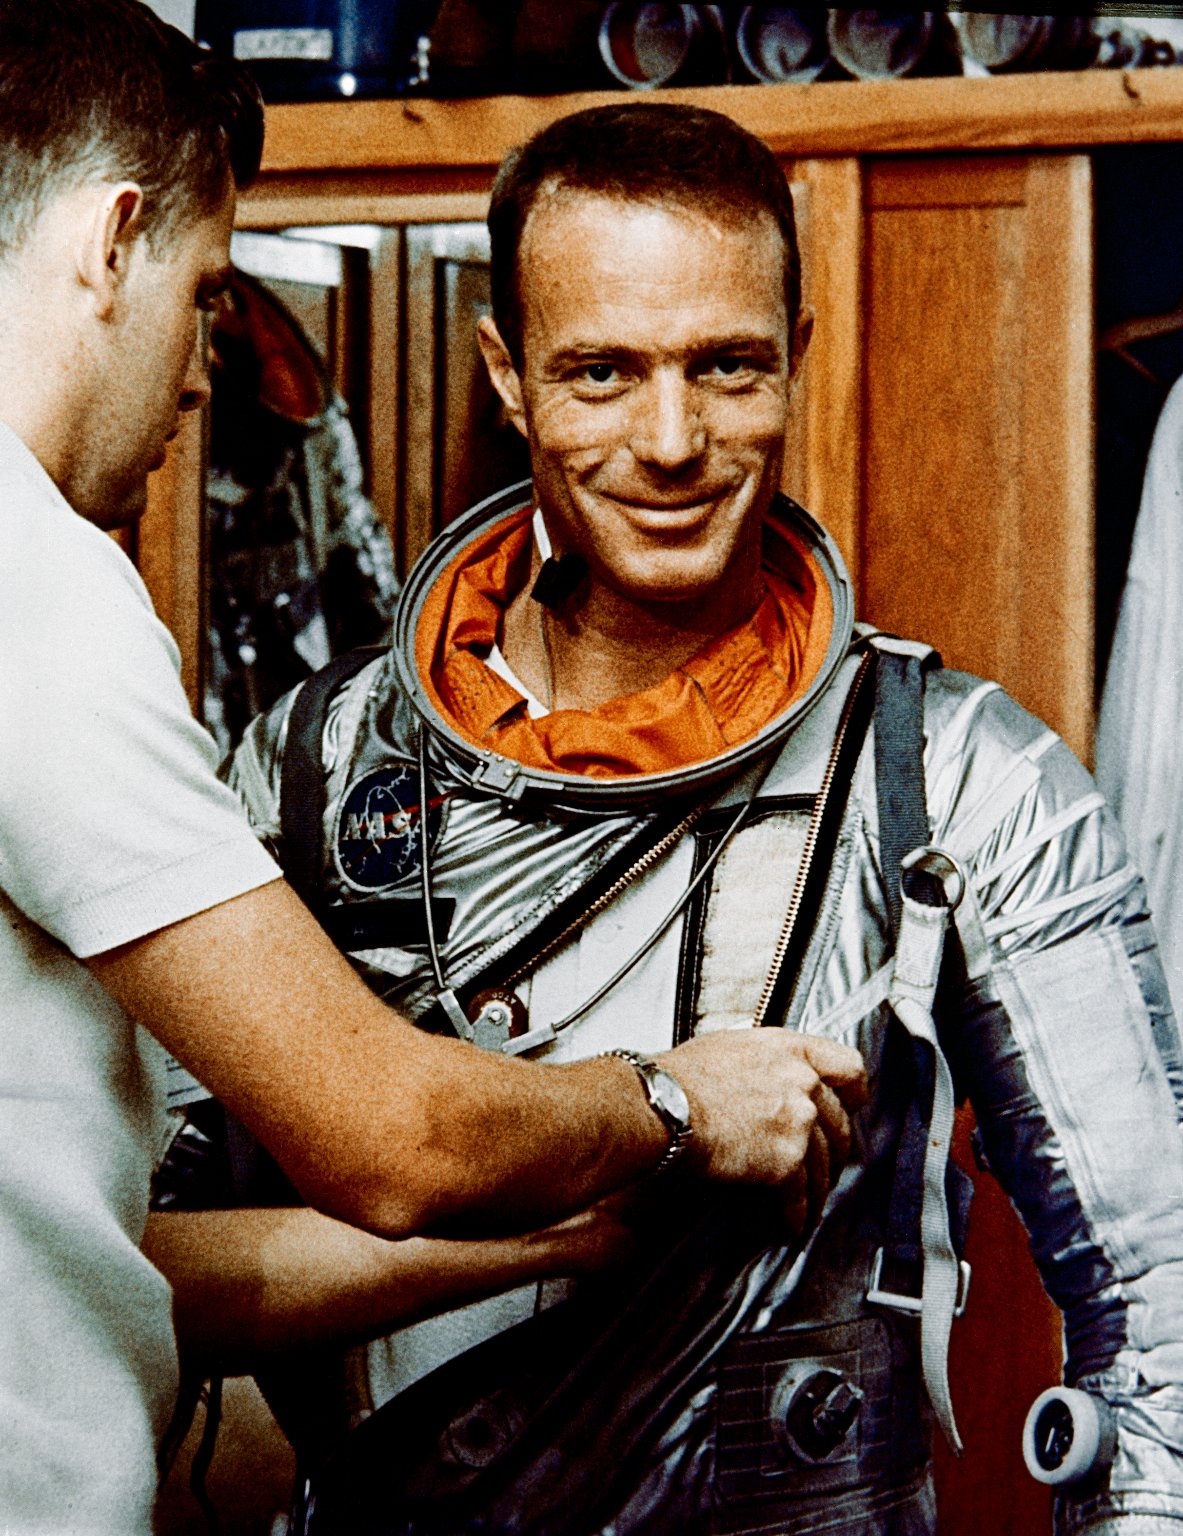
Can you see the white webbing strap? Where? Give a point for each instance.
(976, 954)
(913, 990)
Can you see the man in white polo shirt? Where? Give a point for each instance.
(131, 887)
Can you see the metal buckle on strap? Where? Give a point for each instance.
(940, 866)
(899, 1302)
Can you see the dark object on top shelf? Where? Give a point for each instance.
(885, 45)
(554, 46)
(774, 44)
(470, 47)
(646, 45)
(1001, 42)
(535, 47)
(322, 50)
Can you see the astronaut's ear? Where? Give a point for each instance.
(502, 371)
(802, 331)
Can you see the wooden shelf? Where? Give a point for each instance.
(418, 159)
(1035, 111)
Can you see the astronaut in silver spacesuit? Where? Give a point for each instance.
(631, 772)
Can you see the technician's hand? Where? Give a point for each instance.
(770, 1106)
(805, 1191)
(602, 1237)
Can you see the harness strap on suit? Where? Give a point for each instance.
(920, 908)
(303, 793)
(917, 968)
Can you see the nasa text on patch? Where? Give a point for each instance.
(377, 842)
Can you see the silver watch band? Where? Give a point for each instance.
(667, 1098)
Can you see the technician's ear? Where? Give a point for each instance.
(502, 372)
(802, 331)
(106, 240)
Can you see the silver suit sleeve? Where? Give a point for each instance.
(1072, 1058)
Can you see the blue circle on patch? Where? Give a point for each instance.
(378, 826)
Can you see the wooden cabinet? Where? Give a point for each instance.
(976, 515)
(942, 429)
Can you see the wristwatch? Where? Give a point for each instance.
(667, 1098)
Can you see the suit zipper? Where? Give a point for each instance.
(605, 898)
(811, 841)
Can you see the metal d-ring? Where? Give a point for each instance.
(937, 865)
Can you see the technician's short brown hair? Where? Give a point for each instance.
(104, 89)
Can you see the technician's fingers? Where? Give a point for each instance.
(840, 1066)
(834, 1122)
(758, 1096)
(795, 1202)
(817, 1172)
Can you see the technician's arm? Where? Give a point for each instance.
(398, 1131)
(249, 1283)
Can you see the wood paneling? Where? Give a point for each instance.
(977, 509)
(1059, 110)
(823, 457)
(962, 182)
(418, 487)
(386, 322)
(170, 547)
(458, 444)
(361, 200)
(1055, 633)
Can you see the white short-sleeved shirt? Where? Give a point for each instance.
(112, 824)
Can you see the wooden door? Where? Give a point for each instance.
(976, 530)
(975, 533)
(459, 445)
(823, 451)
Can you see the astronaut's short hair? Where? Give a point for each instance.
(105, 90)
(664, 153)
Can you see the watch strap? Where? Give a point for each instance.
(679, 1127)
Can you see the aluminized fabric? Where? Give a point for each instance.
(1064, 1034)
(1071, 1057)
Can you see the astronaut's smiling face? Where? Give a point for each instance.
(654, 388)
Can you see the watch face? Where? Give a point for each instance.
(670, 1095)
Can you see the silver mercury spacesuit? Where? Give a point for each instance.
(1062, 1029)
